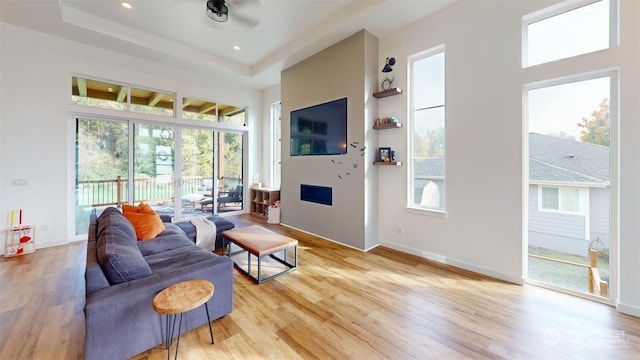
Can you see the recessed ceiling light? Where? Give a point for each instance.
(236, 47)
(126, 5)
(110, 89)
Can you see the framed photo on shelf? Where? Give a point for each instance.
(384, 154)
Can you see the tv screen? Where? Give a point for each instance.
(320, 129)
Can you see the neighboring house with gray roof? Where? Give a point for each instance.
(568, 192)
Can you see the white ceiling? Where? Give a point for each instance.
(272, 34)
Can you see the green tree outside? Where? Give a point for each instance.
(595, 130)
(429, 144)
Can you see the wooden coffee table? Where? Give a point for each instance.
(260, 242)
(178, 299)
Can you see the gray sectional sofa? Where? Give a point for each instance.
(123, 275)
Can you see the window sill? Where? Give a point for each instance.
(441, 214)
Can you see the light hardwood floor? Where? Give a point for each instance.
(339, 304)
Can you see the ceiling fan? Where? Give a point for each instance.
(218, 10)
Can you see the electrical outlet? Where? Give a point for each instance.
(400, 229)
(20, 182)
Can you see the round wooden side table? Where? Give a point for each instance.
(178, 299)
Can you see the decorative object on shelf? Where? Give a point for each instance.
(393, 155)
(387, 126)
(388, 67)
(386, 84)
(256, 181)
(386, 121)
(384, 154)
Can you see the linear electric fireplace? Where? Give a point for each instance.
(316, 194)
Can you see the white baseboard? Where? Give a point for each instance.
(325, 238)
(43, 245)
(628, 309)
(459, 264)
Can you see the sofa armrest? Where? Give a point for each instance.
(166, 218)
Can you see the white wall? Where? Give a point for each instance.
(484, 225)
(269, 97)
(36, 141)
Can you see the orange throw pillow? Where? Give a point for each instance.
(146, 209)
(145, 220)
(129, 208)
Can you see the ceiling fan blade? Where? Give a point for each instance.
(244, 20)
(244, 3)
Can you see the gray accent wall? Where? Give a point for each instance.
(345, 69)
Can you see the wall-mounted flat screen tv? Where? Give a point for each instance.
(320, 129)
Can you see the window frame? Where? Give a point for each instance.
(175, 113)
(565, 7)
(411, 205)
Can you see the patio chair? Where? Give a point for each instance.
(224, 197)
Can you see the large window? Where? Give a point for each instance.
(113, 96)
(570, 122)
(568, 29)
(209, 111)
(181, 168)
(427, 126)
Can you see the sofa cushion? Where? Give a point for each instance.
(163, 243)
(171, 229)
(191, 257)
(117, 249)
(112, 216)
(94, 277)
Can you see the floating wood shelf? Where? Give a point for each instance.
(389, 92)
(394, 163)
(387, 126)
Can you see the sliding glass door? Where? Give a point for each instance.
(119, 161)
(101, 167)
(153, 166)
(197, 193)
(229, 172)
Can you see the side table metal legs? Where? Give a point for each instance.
(206, 307)
(170, 328)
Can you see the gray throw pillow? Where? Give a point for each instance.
(118, 252)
